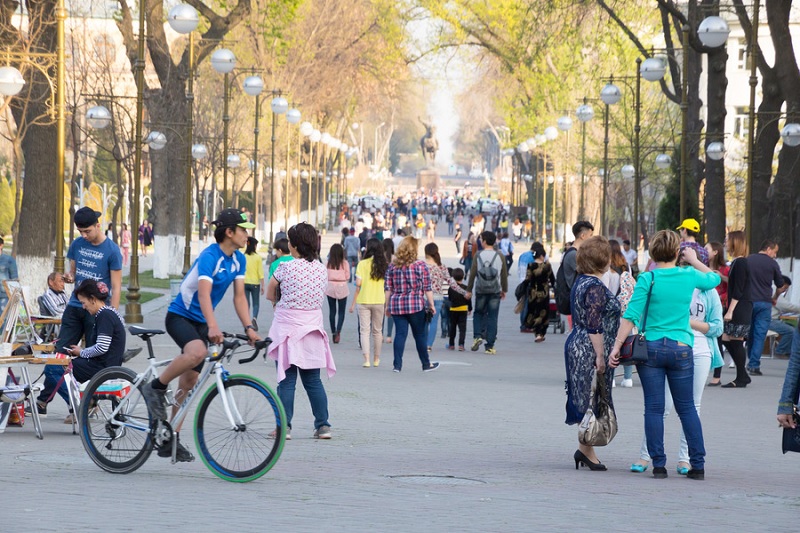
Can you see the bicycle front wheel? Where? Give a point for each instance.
(118, 443)
(242, 438)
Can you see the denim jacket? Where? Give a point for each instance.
(791, 384)
(8, 270)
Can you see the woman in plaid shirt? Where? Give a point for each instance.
(408, 287)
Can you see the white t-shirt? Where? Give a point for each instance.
(697, 311)
(630, 255)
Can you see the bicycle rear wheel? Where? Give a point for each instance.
(122, 443)
(246, 446)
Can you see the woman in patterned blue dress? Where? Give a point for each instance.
(595, 318)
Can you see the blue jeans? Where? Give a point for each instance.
(445, 318)
(336, 317)
(791, 383)
(667, 358)
(82, 370)
(416, 321)
(389, 323)
(252, 293)
(759, 324)
(432, 327)
(314, 389)
(786, 332)
(524, 312)
(76, 322)
(484, 322)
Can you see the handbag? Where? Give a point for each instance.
(599, 424)
(428, 315)
(791, 437)
(634, 349)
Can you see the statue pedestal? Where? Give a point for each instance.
(429, 179)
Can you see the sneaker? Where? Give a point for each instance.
(272, 434)
(732, 365)
(490, 351)
(255, 324)
(396, 370)
(460, 348)
(613, 383)
(156, 400)
(755, 371)
(476, 344)
(324, 432)
(130, 353)
(451, 347)
(41, 408)
(626, 383)
(182, 453)
(432, 367)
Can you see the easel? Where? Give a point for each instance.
(16, 317)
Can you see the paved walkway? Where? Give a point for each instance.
(479, 445)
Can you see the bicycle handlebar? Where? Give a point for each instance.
(237, 340)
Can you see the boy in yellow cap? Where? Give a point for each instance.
(690, 230)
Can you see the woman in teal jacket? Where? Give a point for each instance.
(669, 345)
(705, 318)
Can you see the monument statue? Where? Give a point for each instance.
(429, 143)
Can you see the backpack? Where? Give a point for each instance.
(487, 279)
(562, 290)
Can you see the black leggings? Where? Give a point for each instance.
(736, 349)
(332, 303)
(718, 370)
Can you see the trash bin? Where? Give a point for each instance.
(174, 287)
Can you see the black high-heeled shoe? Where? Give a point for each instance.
(581, 459)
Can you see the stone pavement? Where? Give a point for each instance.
(478, 445)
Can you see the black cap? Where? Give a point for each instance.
(86, 217)
(232, 217)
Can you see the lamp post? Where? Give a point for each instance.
(584, 114)
(610, 95)
(183, 18)
(253, 86)
(223, 61)
(279, 106)
(550, 134)
(293, 117)
(306, 129)
(522, 148)
(564, 123)
(313, 138)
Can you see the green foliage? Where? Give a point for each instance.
(669, 208)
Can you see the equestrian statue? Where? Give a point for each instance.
(429, 143)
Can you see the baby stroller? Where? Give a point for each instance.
(556, 320)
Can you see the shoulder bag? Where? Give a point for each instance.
(599, 425)
(791, 437)
(634, 349)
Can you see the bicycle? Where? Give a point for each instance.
(239, 434)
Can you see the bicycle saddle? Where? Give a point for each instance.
(144, 332)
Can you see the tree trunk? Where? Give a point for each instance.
(714, 205)
(785, 189)
(767, 136)
(169, 167)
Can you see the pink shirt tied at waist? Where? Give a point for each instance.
(337, 281)
(299, 339)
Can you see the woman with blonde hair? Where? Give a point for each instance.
(736, 326)
(669, 290)
(408, 290)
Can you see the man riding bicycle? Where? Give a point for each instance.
(190, 317)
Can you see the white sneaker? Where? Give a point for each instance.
(626, 383)
(613, 383)
(732, 365)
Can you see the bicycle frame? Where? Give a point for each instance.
(234, 417)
